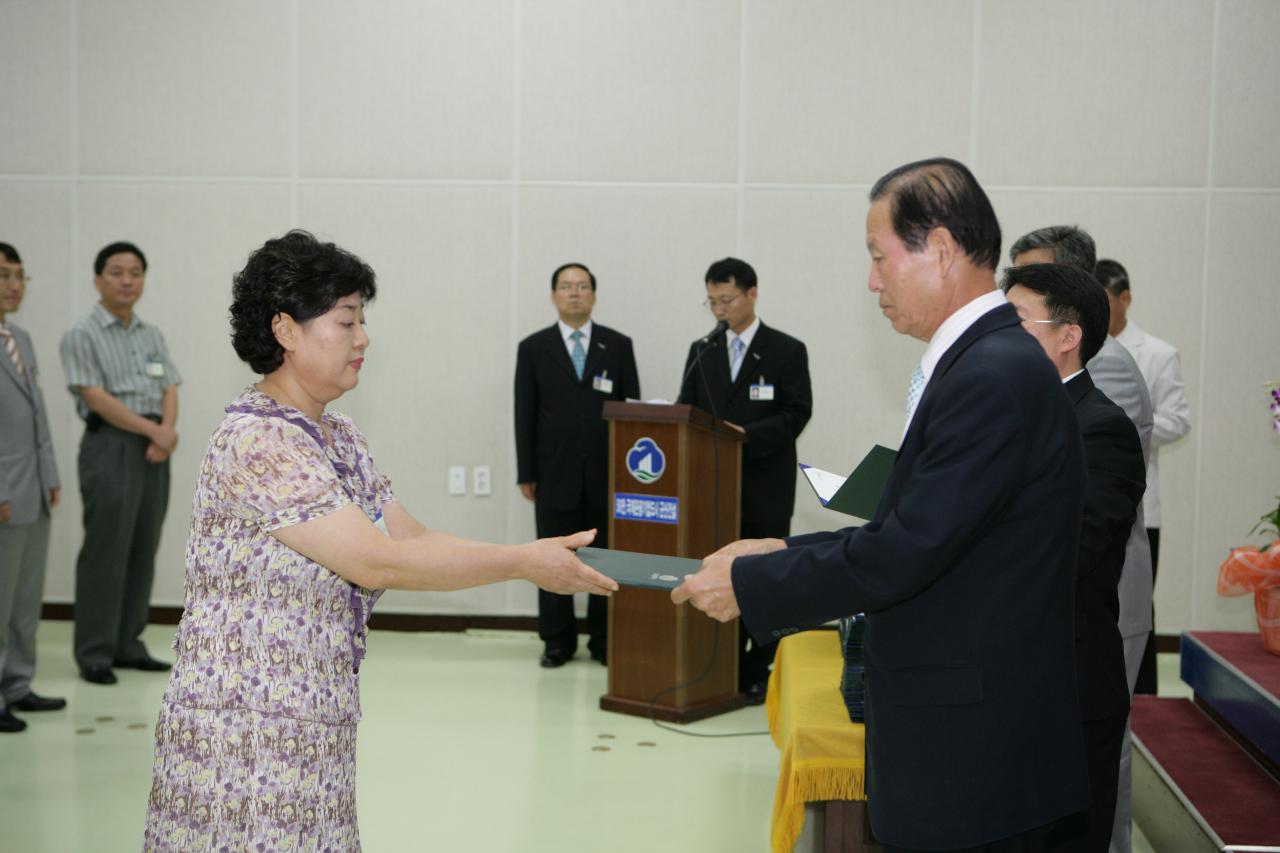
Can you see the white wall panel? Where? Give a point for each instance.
(826, 96)
(613, 90)
(184, 88)
(406, 89)
(1094, 93)
(1240, 471)
(35, 73)
(1247, 122)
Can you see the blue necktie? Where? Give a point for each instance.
(579, 355)
(735, 364)
(915, 391)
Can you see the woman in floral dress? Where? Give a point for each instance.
(294, 534)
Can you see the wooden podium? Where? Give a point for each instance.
(674, 480)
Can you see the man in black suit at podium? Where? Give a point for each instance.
(756, 378)
(564, 373)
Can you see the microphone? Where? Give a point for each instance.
(720, 329)
(704, 343)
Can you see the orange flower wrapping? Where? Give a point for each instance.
(1248, 569)
(1253, 570)
(1266, 603)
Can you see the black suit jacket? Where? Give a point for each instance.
(562, 443)
(1117, 477)
(769, 454)
(966, 574)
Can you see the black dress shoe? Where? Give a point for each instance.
(756, 691)
(146, 663)
(98, 675)
(600, 657)
(9, 723)
(553, 658)
(34, 702)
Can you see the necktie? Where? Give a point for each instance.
(737, 349)
(578, 354)
(11, 347)
(914, 392)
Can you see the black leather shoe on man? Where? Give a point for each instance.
(10, 724)
(756, 691)
(35, 702)
(553, 658)
(98, 675)
(146, 663)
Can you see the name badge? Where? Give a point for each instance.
(155, 369)
(603, 383)
(761, 391)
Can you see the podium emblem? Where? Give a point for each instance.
(646, 461)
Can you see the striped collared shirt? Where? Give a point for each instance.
(129, 362)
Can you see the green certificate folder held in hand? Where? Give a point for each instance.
(859, 493)
(629, 568)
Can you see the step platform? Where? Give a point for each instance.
(1236, 678)
(1206, 771)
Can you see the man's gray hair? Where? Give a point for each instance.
(1069, 244)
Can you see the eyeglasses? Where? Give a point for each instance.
(1045, 322)
(6, 277)
(723, 301)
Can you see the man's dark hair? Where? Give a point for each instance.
(1071, 295)
(569, 266)
(1112, 276)
(10, 253)
(118, 248)
(942, 193)
(1069, 244)
(731, 270)
(296, 275)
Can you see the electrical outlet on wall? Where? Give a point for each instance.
(457, 479)
(480, 480)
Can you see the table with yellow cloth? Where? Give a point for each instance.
(823, 753)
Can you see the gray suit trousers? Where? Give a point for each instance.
(125, 498)
(24, 550)
(1122, 830)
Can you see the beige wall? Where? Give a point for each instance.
(465, 149)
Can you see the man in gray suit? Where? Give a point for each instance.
(1117, 375)
(28, 491)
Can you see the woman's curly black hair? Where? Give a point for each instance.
(296, 275)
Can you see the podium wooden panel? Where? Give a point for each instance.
(654, 645)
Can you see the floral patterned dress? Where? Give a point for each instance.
(256, 741)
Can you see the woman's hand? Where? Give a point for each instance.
(551, 564)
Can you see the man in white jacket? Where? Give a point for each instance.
(1158, 361)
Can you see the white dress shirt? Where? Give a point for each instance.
(949, 332)
(1162, 372)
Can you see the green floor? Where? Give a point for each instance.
(466, 745)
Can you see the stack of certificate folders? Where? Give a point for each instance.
(853, 686)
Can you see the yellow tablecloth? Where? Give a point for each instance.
(823, 753)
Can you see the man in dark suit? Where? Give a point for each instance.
(966, 572)
(1065, 309)
(564, 373)
(756, 378)
(1117, 375)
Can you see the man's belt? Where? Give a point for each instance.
(94, 421)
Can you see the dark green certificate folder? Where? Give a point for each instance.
(644, 570)
(859, 493)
